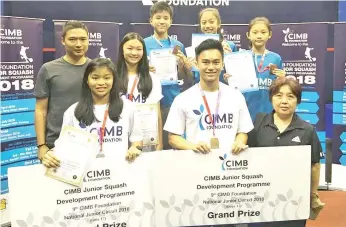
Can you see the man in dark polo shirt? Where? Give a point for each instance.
(58, 85)
(283, 127)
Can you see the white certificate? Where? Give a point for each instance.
(241, 67)
(114, 193)
(258, 185)
(165, 64)
(199, 38)
(75, 149)
(147, 117)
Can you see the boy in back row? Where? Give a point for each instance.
(161, 17)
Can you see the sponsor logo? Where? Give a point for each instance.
(293, 38)
(233, 164)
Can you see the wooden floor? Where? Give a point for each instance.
(334, 213)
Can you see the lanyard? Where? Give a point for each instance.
(208, 109)
(102, 129)
(259, 67)
(133, 89)
(159, 42)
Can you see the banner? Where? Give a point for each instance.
(180, 32)
(153, 190)
(303, 50)
(237, 34)
(221, 188)
(21, 59)
(339, 95)
(103, 39)
(113, 194)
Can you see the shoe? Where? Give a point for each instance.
(316, 206)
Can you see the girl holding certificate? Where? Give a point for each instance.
(102, 111)
(210, 23)
(268, 66)
(136, 83)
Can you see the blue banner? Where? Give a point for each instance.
(21, 58)
(339, 95)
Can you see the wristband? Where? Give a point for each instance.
(40, 145)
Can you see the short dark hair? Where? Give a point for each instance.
(73, 24)
(84, 111)
(159, 7)
(209, 44)
(292, 83)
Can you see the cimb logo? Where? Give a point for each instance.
(97, 175)
(293, 38)
(233, 164)
(236, 38)
(189, 2)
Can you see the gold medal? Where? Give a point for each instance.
(214, 143)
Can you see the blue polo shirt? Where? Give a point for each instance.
(196, 71)
(258, 101)
(169, 91)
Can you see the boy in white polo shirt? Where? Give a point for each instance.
(213, 115)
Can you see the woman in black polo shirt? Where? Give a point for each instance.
(283, 127)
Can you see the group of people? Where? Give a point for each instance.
(101, 97)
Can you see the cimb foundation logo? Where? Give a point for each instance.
(233, 164)
(293, 38)
(189, 2)
(97, 175)
(10, 34)
(236, 38)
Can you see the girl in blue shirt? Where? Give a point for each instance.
(210, 23)
(267, 63)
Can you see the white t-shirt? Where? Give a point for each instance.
(155, 95)
(189, 114)
(117, 135)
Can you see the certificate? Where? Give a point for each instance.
(199, 38)
(258, 185)
(165, 64)
(114, 193)
(75, 149)
(241, 67)
(147, 117)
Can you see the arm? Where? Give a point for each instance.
(175, 126)
(40, 125)
(316, 151)
(315, 177)
(183, 71)
(245, 125)
(241, 138)
(178, 142)
(134, 151)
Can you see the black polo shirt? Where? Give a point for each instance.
(299, 132)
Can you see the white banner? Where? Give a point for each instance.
(258, 185)
(113, 195)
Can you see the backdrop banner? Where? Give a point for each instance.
(303, 50)
(339, 95)
(21, 58)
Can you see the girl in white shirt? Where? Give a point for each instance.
(137, 84)
(102, 111)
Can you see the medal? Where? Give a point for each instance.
(214, 143)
